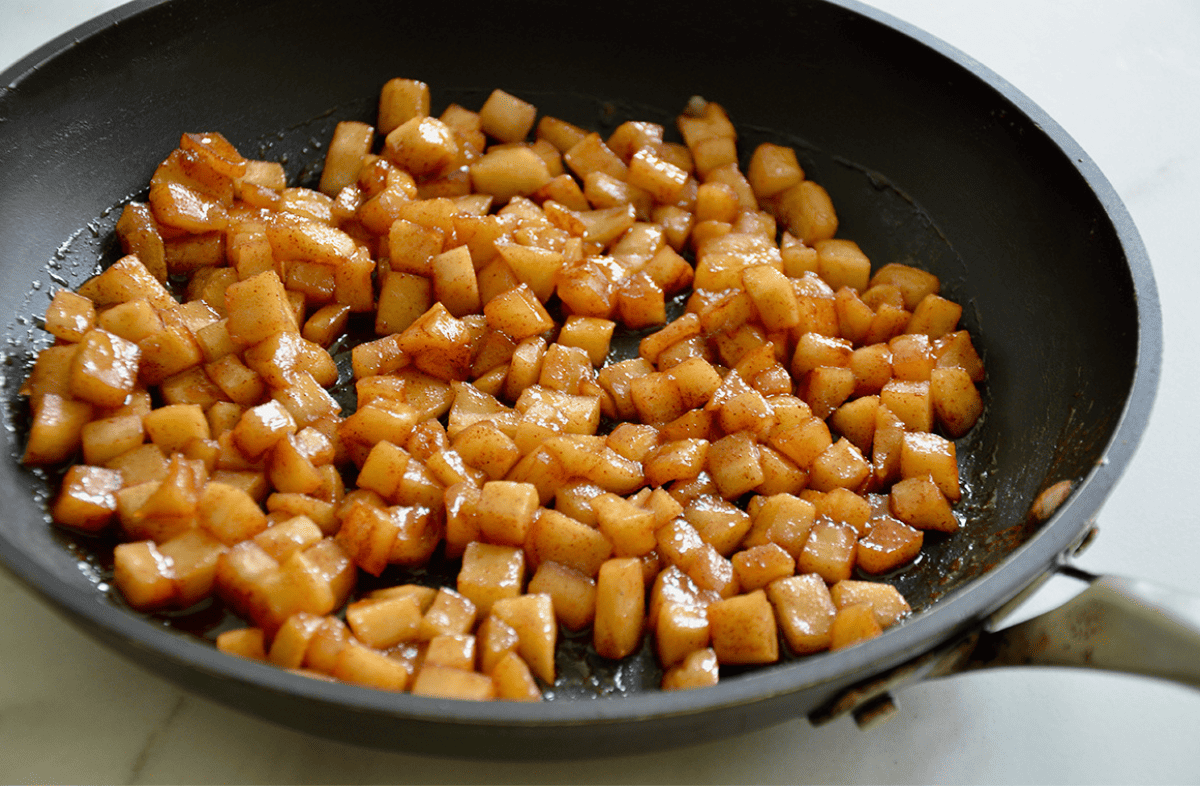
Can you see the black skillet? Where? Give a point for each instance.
(930, 158)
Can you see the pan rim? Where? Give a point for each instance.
(964, 607)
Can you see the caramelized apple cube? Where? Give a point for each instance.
(144, 576)
(887, 545)
(700, 669)
(87, 499)
(258, 307)
(556, 537)
(805, 611)
(888, 605)
(513, 679)
(918, 502)
(620, 608)
(933, 456)
(385, 622)
(490, 572)
(572, 593)
(56, 431)
(829, 551)
(743, 629)
(956, 401)
(532, 617)
(853, 624)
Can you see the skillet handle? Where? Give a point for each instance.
(1116, 624)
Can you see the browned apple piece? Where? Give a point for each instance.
(258, 308)
(956, 401)
(513, 679)
(620, 608)
(144, 576)
(929, 455)
(829, 551)
(104, 370)
(491, 572)
(743, 629)
(628, 526)
(243, 642)
(918, 502)
(700, 669)
(853, 624)
(841, 465)
(759, 566)
(87, 499)
(56, 431)
(532, 617)
(888, 605)
(805, 611)
(887, 545)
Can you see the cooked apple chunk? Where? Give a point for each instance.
(248, 438)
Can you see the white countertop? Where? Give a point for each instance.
(1123, 79)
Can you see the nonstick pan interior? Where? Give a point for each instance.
(929, 162)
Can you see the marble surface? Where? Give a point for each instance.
(1123, 79)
